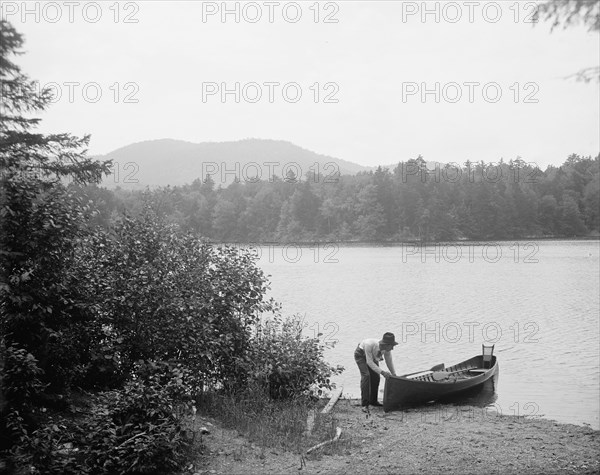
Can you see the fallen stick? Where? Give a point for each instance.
(338, 432)
(332, 401)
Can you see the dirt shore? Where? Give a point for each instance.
(434, 439)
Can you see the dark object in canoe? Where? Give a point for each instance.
(424, 386)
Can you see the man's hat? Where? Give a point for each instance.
(388, 339)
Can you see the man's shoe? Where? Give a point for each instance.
(376, 404)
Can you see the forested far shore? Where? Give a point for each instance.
(412, 202)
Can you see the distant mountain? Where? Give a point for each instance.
(176, 162)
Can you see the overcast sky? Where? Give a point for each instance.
(166, 73)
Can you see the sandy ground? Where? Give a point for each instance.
(434, 439)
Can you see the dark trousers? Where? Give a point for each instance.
(369, 379)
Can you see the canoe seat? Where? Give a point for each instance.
(478, 371)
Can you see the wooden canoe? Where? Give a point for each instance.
(425, 386)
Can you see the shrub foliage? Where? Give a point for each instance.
(285, 364)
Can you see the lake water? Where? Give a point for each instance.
(537, 301)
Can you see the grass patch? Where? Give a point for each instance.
(280, 424)
(325, 429)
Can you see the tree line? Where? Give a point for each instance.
(413, 201)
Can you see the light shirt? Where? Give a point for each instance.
(374, 355)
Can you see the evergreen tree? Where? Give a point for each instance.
(42, 222)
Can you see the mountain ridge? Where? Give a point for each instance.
(167, 161)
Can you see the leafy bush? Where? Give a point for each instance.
(157, 293)
(41, 451)
(21, 383)
(286, 363)
(141, 428)
(138, 429)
